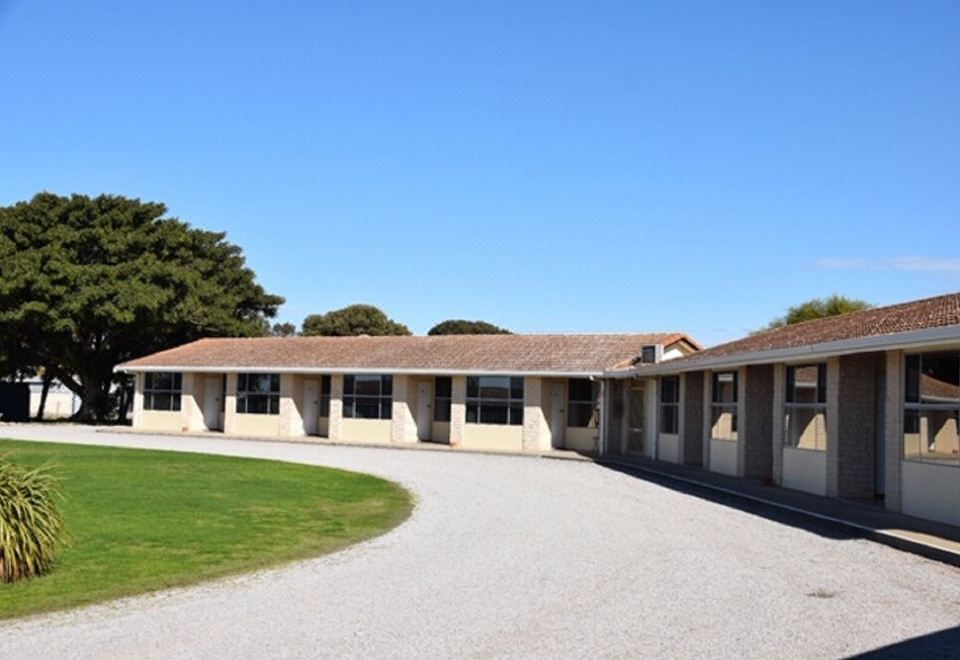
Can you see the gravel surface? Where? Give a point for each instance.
(524, 557)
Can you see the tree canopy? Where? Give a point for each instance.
(87, 283)
(818, 308)
(283, 330)
(352, 321)
(463, 327)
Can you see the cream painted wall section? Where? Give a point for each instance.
(805, 469)
(668, 447)
(931, 491)
(262, 426)
(161, 420)
(440, 432)
(650, 401)
(492, 437)
(723, 456)
(373, 431)
(581, 439)
(323, 426)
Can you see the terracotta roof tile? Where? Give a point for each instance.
(451, 353)
(905, 317)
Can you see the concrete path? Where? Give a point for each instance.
(526, 557)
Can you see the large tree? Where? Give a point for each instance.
(86, 283)
(352, 321)
(462, 327)
(818, 308)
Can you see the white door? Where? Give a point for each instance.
(311, 407)
(424, 410)
(558, 417)
(212, 397)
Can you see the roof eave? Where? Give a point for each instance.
(127, 368)
(926, 338)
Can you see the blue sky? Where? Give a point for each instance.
(547, 166)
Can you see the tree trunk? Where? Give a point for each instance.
(47, 379)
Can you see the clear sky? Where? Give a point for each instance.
(546, 166)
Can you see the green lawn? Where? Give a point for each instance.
(145, 520)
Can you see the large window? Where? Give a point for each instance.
(368, 396)
(724, 405)
(258, 394)
(932, 408)
(805, 420)
(494, 400)
(161, 391)
(442, 392)
(670, 405)
(581, 403)
(325, 396)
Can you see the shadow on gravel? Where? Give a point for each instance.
(820, 527)
(942, 644)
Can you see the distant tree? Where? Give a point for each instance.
(352, 321)
(462, 327)
(818, 308)
(87, 283)
(283, 330)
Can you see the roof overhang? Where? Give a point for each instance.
(915, 339)
(122, 368)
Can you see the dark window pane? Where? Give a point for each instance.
(579, 389)
(349, 385)
(473, 387)
(821, 383)
(275, 383)
(472, 413)
(579, 414)
(274, 405)
(791, 383)
(516, 413)
(386, 409)
(386, 385)
(175, 402)
(325, 406)
(912, 393)
(443, 387)
(241, 382)
(325, 385)
(441, 410)
(940, 378)
(348, 407)
(670, 389)
(493, 413)
(148, 381)
(669, 419)
(367, 408)
(516, 388)
(161, 401)
(367, 385)
(494, 387)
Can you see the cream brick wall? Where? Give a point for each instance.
(291, 406)
(138, 383)
(230, 407)
(191, 401)
(335, 419)
(403, 423)
(458, 409)
(778, 411)
(536, 430)
(893, 430)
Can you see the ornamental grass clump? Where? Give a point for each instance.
(31, 526)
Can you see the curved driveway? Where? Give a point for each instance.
(516, 556)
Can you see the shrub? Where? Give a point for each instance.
(31, 526)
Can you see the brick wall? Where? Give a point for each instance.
(893, 429)
(335, 419)
(755, 438)
(458, 409)
(777, 430)
(855, 448)
(691, 418)
(403, 423)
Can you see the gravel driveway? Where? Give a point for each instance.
(516, 556)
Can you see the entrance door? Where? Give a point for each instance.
(424, 410)
(636, 442)
(311, 407)
(212, 398)
(558, 417)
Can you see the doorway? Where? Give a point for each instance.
(212, 400)
(311, 406)
(636, 440)
(424, 410)
(558, 416)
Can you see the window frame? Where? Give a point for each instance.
(668, 410)
(792, 407)
(442, 403)
(245, 394)
(917, 408)
(576, 407)
(383, 400)
(718, 407)
(151, 391)
(512, 403)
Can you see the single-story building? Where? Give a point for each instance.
(493, 392)
(863, 405)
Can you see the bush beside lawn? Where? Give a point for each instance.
(140, 520)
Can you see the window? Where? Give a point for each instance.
(724, 405)
(931, 413)
(442, 390)
(670, 405)
(805, 419)
(161, 391)
(581, 403)
(258, 394)
(325, 396)
(494, 400)
(368, 396)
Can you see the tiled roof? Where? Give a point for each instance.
(588, 354)
(924, 314)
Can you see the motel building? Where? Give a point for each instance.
(863, 406)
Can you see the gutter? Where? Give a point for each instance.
(124, 368)
(927, 338)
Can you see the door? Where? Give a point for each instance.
(424, 410)
(558, 414)
(311, 407)
(212, 398)
(636, 442)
